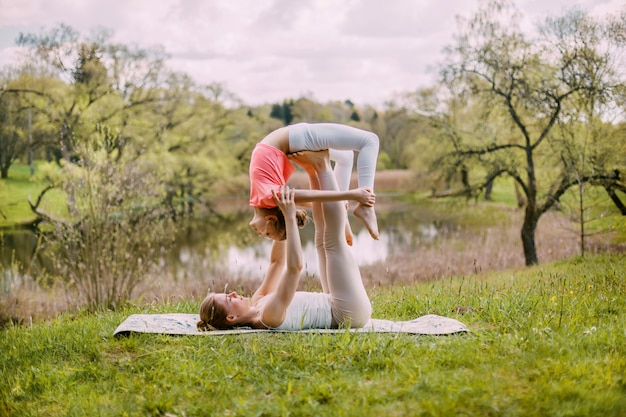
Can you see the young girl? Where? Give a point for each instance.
(270, 168)
(276, 303)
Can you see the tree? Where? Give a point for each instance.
(398, 130)
(119, 229)
(586, 145)
(21, 129)
(100, 80)
(532, 81)
(283, 111)
(14, 131)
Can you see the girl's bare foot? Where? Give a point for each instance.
(311, 160)
(368, 217)
(319, 161)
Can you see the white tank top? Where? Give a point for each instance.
(308, 310)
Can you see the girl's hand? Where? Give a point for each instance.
(365, 196)
(286, 201)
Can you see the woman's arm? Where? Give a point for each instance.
(275, 307)
(274, 270)
(361, 195)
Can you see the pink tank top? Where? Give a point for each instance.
(269, 169)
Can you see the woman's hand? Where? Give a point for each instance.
(286, 201)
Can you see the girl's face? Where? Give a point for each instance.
(265, 226)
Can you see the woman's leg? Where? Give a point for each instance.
(343, 173)
(351, 305)
(318, 219)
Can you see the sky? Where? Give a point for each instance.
(265, 51)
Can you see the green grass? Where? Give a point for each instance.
(15, 192)
(548, 340)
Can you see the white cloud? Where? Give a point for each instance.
(266, 51)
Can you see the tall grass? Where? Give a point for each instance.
(545, 341)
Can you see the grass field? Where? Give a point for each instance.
(545, 341)
(15, 193)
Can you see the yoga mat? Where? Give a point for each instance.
(185, 324)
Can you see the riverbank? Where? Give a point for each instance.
(430, 240)
(546, 340)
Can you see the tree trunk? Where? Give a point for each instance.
(528, 236)
(616, 200)
(465, 181)
(488, 189)
(521, 201)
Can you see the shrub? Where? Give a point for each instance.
(117, 231)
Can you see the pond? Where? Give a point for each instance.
(229, 245)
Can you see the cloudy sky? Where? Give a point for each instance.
(268, 50)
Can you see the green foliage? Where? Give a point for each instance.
(506, 96)
(117, 230)
(544, 341)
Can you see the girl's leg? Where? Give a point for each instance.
(320, 136)
(343, 167)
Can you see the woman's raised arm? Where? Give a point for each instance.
(274, 310)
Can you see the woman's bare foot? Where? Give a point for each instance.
(367, 214)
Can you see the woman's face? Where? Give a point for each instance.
(235, 304)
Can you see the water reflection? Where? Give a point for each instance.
(402, 229)
(229, 245)
(252, 261)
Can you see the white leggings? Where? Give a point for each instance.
(339, 273)
(342, 140)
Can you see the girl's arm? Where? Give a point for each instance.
(361, 195)
(275, 307)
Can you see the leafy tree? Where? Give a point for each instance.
(398, 128)
(532, 81)
(283, 112)
(14, 131)
(21, 129)
(277, 112)
(118, 232)
(307, 110)
(586, 145)
(190, 142)
(100, 80)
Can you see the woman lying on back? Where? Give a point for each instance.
(276, 304)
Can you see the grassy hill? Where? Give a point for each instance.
(547, 340)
